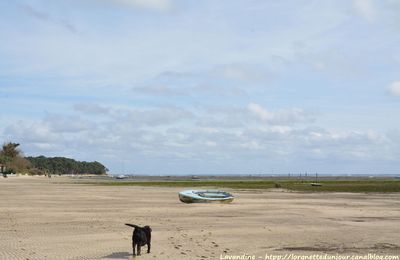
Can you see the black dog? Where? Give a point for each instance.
(140, 237)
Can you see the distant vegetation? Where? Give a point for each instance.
(10, 156)
(15, 162)
(376, 185)
(62, 165)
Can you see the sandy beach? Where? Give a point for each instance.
(55, 219)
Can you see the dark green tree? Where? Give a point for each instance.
(11, 157)
(10, 150)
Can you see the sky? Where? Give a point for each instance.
(183, 87)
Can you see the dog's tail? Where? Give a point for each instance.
(131, 225)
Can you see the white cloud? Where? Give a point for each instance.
(243, 72)
(157, 5)
(197, 84)
(366, 9)
(124, 116)
(287, 116)
(67, 124)
(260, 112)
(157, 134)
(31, 132)
(154, 116)
(90, 108)
(394, 88)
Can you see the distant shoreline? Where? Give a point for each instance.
(324, 184)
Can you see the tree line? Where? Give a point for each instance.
(62, 165)
(13, 160)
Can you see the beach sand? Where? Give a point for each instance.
(44, 218)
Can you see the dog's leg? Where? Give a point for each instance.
(138, 249)
(133, 247)
(148, 239)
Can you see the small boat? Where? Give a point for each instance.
(316, 184)
(204, 196)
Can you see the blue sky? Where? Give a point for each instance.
(204, 87)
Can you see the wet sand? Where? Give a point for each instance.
(44, 218)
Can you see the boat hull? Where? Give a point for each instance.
(205, 196)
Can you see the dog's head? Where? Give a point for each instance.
(147, 228)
